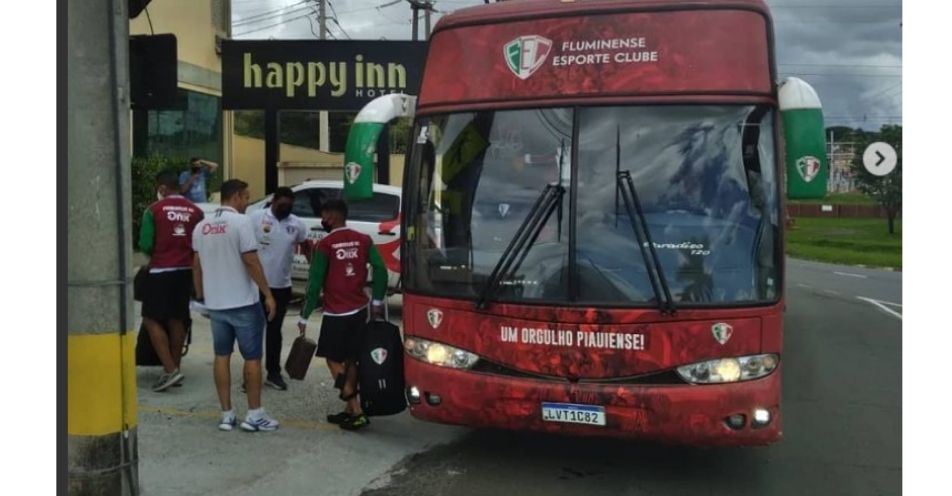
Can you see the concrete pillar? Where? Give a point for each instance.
(101, 383)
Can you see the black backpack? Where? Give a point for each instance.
(380, 370)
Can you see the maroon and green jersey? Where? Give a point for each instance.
(166, 233)
(339, 268)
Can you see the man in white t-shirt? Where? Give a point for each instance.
(278, 231)
(228, 277)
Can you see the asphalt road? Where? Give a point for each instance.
(842, 419)
(842, 425)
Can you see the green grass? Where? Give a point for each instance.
(846, 241)
(840, 198)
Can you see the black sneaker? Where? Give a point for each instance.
(338, 418)
(277, 382)
(168, 380)
(355, 423)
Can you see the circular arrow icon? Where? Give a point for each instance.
(879, 158)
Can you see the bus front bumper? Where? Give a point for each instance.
(677, 414)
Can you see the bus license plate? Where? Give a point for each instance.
(573, 414)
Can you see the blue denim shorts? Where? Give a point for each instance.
(244, 324)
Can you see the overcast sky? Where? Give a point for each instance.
(849, 50)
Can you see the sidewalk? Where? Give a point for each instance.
(181, 451)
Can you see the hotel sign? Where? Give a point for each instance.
(316, 74)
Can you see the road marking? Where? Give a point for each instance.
(847, 274)
(807, 286)
(888, 303)
(882, 306)
(830, 291)
(210, 414)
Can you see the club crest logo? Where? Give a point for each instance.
(808, 167)
(503, 209)
(352, 171)
(379, 355)
(266, 227)
(526, 54)
(179, 230)
(722, 332)
(434, 317)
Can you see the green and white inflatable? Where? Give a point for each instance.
(805, 139)
(362, 141)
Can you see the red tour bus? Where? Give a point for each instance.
(593, 240)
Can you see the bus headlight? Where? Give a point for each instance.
(724, 370)
(439, 354)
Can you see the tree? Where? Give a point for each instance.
(886, 190)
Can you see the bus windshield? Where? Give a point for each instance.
(706, 187)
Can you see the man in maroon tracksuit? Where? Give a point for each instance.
(339, 267)
(166, 236)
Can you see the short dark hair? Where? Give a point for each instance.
(339, 206)
(194, 159)
(167, 178)
(283, 192)
(231, 188)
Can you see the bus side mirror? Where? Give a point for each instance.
(804, 135)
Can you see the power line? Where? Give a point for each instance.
(245, 21)
(883, 92)
(842, 74)
(845, 65)
(270, 12)
(391, 19)
(798, 20)
(311, 22)
(362, 9)
(334, 11)
(271, 25)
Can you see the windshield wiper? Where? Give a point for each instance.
(525, 237)
(640, 226)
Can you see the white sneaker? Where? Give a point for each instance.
(227, 423)
(262, 423)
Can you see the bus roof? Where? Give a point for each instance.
(553, 50)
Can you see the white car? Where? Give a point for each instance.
(377, 217)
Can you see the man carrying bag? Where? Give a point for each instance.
(339, 268)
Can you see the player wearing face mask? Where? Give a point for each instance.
(278, 231)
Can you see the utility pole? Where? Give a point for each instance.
(324, 136)
(102, 442)
(416, 21)
(427, 7)
(426, 15)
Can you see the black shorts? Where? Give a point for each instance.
(167, 295)
(341, 337)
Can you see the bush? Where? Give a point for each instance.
(144, 170)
